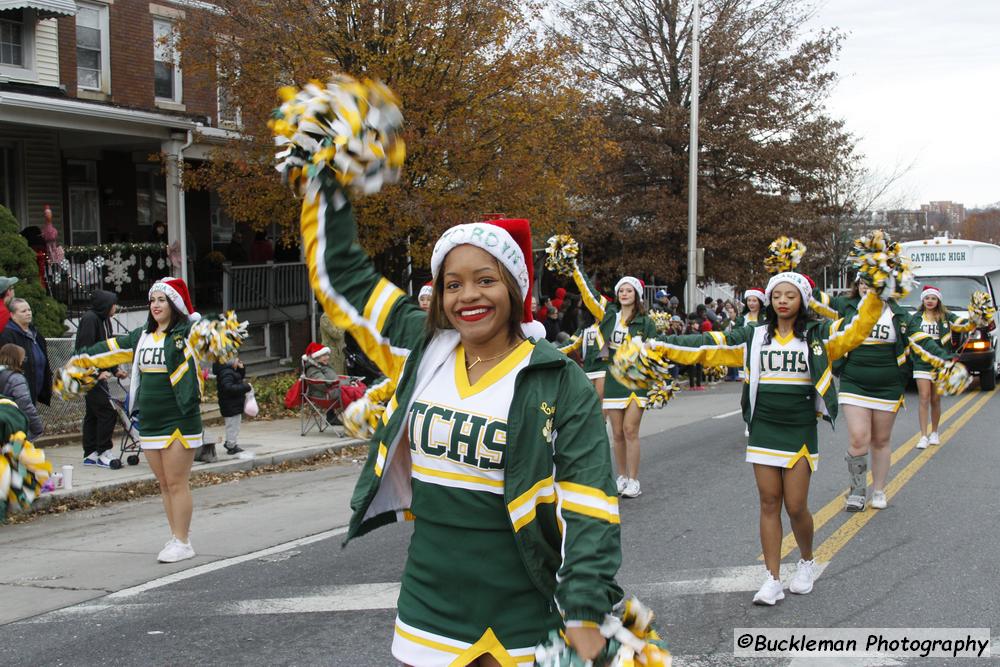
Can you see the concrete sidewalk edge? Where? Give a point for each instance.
(221, 466)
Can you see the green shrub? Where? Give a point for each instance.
(270, 394)
(17, 259)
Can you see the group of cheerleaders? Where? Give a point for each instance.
(494, 443)
(537, 535)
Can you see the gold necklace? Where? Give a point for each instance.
(469, 367)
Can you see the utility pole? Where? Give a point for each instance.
(692, 277)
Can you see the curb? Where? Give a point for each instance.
(230, 465)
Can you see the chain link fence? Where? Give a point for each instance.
(67, 416)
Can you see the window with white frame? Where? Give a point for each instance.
(230, 114)
(83, 204)
(12, 40)
(92, 47)
(166, 61)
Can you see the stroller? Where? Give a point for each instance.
(129, 447)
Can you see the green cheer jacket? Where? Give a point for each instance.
(951, 324)
(908, 338)
(741, 321)
(828, 341)
(606, 313)
(558, 488)
(185, 374)
(585, 340)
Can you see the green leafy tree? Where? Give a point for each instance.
(17, 259)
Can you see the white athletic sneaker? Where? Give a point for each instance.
(175, 551)
(770, 592)
(802, 580)
(878, 500)
(923, 442)
(106, 457)
(935, 439)
(632, 489)
(621, 483)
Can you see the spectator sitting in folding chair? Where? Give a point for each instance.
(321, 376)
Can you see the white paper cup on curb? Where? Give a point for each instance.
(67, 477)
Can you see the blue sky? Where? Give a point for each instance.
(920, 83)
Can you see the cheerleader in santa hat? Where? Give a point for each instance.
(934, 319)
(789, 383)
(618, 321)
(424, 296)
(493, 444)
(753, 308)
(165, 392)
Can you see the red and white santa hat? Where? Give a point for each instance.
(755, 292)
(637, 285)
(426, 290)
(930, 290)
(509, 240)
(315, 350)
(176, 291)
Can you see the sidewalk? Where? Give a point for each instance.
(265, 443)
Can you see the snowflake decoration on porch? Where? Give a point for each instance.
(140, 274)
(118, 268)
(149, 262)
(99, 261)
(89, 265)
(64, 264)
(160, 263)
(56, 277)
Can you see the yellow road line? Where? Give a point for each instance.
(829, 548)
(835, 506)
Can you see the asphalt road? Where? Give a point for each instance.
(260, 594)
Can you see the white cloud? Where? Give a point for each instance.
(920, 81)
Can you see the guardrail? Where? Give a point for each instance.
(265, 286)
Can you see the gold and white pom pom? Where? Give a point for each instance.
(640, 364)
(661, 393)
(217, 340)
(361, 417)
(783, 255)
(882, 265)
(952, 379)
(661, 319)
(561, 254)
(348, 129)
(75, 378)
(981, 309)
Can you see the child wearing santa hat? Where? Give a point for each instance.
(619, 320)
(753, 308)
(510, 491)
(165, 390)
(424, 297)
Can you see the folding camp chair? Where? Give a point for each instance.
(315, 408)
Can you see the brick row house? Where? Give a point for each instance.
(96, 115)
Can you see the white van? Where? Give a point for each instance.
(958, 268)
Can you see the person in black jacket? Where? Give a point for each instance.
(21, 331)
(232, 389)
(99, 419)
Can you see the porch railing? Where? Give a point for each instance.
(265, 286)
(128, 270)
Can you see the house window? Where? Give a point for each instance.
(92, 61)
(12, 42)
(166, 62)
(84, 207)
(10, 188)
(230, 114)
(150, 195)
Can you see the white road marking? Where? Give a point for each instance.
(728, 414)
(222, 564)
(744, 579)
(355, 597)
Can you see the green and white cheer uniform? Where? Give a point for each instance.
(588, 341)
(870, 378)
(789, 382)
(545, 511)
(876, 374)
(612, 333)
(940, 332)
(458, 437)
(166, 383)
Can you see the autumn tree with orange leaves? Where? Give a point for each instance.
(496, 119)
